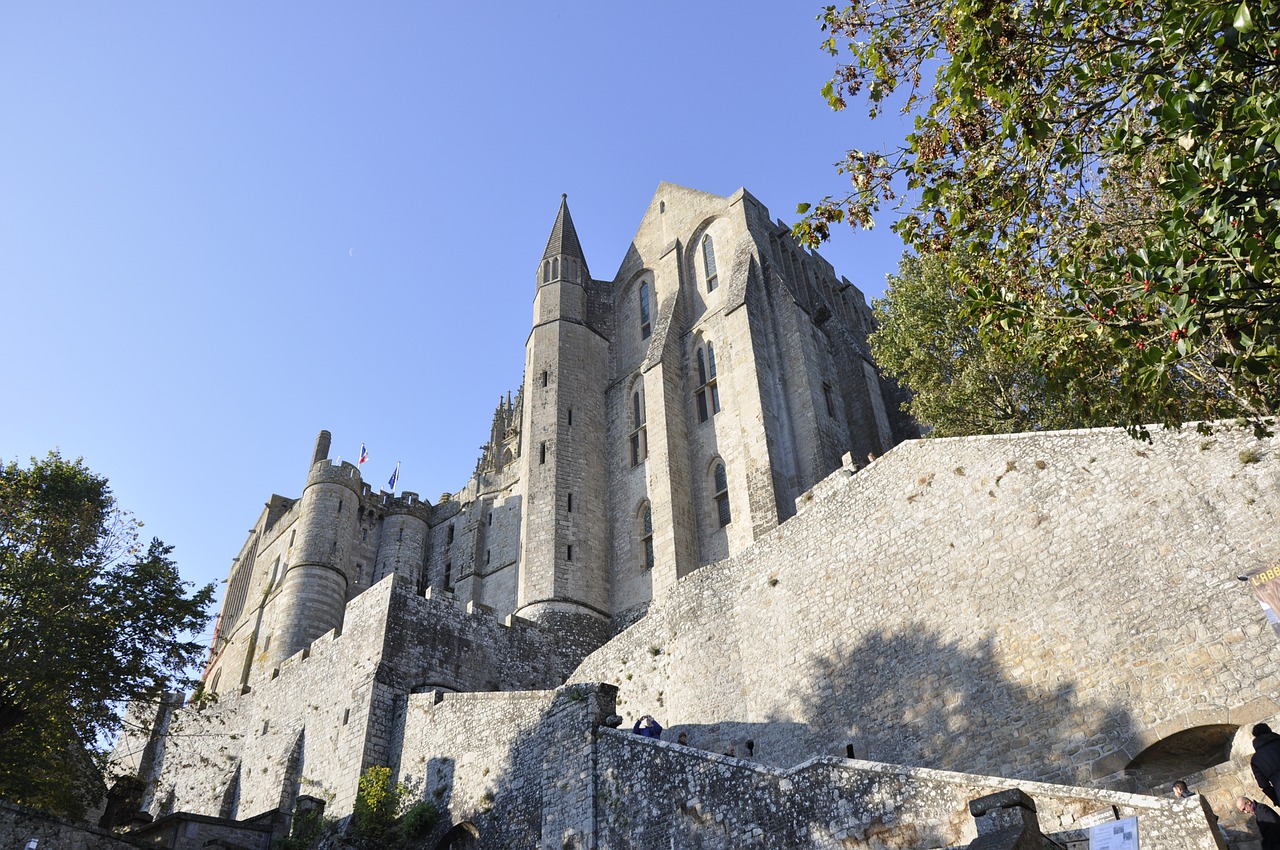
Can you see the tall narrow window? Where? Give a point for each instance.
(568, 556)
(544, 377)
(646, 537)
(709, 262)
(555, 268)
(448, 577)
(639, 444)
(826, 395)
(645, 326)
(542, 453)
(720, 482)
(570, 416)
(359, 573)
(449, 535)
(569, 501)
(546, 271)
(707, 395)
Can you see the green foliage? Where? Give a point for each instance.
(420, 819)
(377, 802)
(1111, 168)
(960, 383)
(306, 831)
(89, 619)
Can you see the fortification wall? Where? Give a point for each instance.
(657, 794)
(1042, 606)
(303, 731)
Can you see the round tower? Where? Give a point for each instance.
(313, 591)
(564, 575)
(402, 546)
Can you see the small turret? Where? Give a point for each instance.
(322, 447)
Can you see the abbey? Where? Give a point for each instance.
(673, 517)
(669, 417)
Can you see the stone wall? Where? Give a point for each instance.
(24, 829)
(1041, 606)
(339, 706)
(659, 794)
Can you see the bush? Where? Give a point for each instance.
(377, 802)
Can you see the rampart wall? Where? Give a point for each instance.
(1039, 606)
(658, 794)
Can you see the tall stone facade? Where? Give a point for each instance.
(669, 417)
(668, 520)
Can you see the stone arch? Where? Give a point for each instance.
(1183, 753)
(461, 837)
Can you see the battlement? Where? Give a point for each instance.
(325, 471)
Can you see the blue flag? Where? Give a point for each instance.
(395, 476)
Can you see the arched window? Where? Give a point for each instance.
(555, 268)
(646, 537)
(213, 686)
(646, 326)
(639, 443)
(709, 262)
(707, 395)
(546, 271)
(720, 485)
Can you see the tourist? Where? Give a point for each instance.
(1267, 819)
(1266, 760)
(683, 739)
(1181, 791)
(648, 727)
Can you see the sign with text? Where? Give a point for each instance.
(1114, 835)
(1266, 585)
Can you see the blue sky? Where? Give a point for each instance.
(226, 226)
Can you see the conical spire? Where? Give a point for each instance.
(564, 239)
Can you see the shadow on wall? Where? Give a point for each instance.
(913, 697)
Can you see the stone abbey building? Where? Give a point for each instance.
(668, 418)
(672, 517)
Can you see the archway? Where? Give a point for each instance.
(1183, 753)
(461, 837)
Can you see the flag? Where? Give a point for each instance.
(364, 455)
(395, 476)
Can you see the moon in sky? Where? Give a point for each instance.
(351, 253)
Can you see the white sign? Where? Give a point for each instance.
(1114, 835)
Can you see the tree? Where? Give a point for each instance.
(959, 383)
(89, 619)
(1112, 169)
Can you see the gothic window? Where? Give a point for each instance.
(707, 395)
(639, 442)
(555, 268)
(646, 326)
(826, 395)
(720, 485)
(546, 271)
(646, 537)
(292, 532)
(213, 686)
(709, 262)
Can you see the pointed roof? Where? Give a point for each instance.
(564, 239)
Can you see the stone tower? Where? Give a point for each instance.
(564, 524)
(313, 586)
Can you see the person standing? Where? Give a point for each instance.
(648, 727)
(1266, 761)
(1267, 819)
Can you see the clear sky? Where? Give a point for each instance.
(225, 226)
